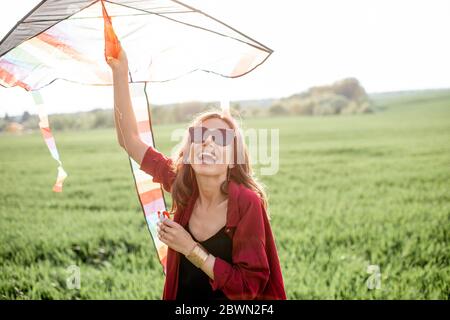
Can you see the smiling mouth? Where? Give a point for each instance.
(206, 158)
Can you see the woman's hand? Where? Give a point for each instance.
(175, 236)
(119, 65)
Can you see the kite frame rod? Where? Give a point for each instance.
(205, 14)
(30, 13)
(263, 47)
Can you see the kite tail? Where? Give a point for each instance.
(49, 140)
(112, 45)
(150, 194)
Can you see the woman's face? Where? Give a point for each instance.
(208, 157)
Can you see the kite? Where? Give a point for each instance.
(165, 39)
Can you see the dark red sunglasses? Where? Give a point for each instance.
(220, 136)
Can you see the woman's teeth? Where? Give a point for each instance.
(207, 158)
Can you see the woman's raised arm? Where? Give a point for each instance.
(150, 160)
(125, 121)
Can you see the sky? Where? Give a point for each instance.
(386, 45)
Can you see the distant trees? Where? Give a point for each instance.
(277, 110)
(342, 97)
(346, 96)
(3, 124)
(71, 121)
(180, 112)
(25, 116)
(94, 119)
(15, 124)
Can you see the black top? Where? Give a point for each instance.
(193, 283)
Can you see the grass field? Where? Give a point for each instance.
(351, 191)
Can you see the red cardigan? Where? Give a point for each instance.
(255, 272)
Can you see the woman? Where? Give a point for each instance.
(220, 244)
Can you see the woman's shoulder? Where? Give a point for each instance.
(247, 199)
(250, 212)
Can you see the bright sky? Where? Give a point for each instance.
(387, 45)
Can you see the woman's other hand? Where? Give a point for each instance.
(175, 236)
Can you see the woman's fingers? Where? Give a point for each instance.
(162, 236)
(164, 231)
(169, 223)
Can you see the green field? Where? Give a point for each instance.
(351, 191)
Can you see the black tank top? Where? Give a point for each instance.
(193, 283)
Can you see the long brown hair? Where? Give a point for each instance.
(241, 172)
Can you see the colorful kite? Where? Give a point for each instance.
(164, 40)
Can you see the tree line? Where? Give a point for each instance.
(345, 96)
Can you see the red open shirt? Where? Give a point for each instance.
(255, 272)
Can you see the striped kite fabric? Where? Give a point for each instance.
(150, 194)
(164, 40)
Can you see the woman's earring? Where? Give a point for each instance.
(228, 174)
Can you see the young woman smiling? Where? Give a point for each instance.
(220, 243)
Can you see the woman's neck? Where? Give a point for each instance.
(209, 191)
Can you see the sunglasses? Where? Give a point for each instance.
(220, 136)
